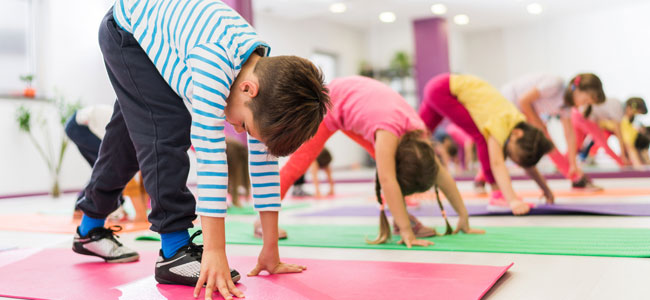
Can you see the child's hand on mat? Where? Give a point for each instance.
(269, 260)
(215, 274)
(463, 225)
(409, 239)
(519, 207)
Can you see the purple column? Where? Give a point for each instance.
(431, 50)
(245, 9)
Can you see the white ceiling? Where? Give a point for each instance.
(483, 14)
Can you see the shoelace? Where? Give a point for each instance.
(193, 249)
(109, 233)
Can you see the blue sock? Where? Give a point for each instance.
(173, 241)
(88, 224)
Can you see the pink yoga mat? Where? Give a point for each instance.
(61, 274)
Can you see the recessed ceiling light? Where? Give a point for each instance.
(461, 19)
(338, 8)
(534, 8)
(439, 9)
(387, 17)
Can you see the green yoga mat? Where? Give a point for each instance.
(618, 242)
(249, 210)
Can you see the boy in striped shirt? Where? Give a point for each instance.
(181, 69)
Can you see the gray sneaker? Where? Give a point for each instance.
(102, 242)
(184, 267)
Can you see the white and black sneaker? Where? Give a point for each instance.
(184, 267)
(102, 242)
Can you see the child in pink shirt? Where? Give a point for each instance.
(381, 121)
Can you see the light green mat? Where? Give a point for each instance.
(249, 210)
(619, 242)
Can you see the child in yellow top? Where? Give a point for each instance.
(496, 126)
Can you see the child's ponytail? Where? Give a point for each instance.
(384, 226)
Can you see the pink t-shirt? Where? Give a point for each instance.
(363, 105)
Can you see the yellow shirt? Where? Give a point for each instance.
(628, 132)
(492, 113)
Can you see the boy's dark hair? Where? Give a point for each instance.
(416, 169)
(642, 142)
(587, 82)
(532, 145)
(291, 102)
(324, 158)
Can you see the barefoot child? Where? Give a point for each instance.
(499, 131)
(381, 121)
(322, 162)
(160, 56)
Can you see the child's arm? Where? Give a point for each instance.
(526, 103)
(215, 272)
(314, 178)
(633, 154)
(385, 147)
(269, 258)
(502, 177)
(570, 136)
(328, 172)
(448, 187)
(621, 143)
(541, 182)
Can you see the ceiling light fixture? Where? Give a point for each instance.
(534, 8)
(387, 17)
(338, 7)
(439, 9)
(461, 19)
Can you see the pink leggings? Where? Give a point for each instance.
(584, 127)
(439, 103)
(303, 157)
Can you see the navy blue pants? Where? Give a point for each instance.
(149, 131)
(87, 142)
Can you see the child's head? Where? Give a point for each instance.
(635, 106)
(526, 145)
(450, 146)
(416, 169)
(324, 159)
(584, 89)
(285, 99)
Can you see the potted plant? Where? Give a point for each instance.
(28, 92)
(53, 158)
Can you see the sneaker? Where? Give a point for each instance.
(585, 184)
(419, 229)
(184, 267)
(498, 203)
(102, 242)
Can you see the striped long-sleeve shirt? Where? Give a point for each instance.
(199, 47)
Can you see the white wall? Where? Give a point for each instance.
(303, 38)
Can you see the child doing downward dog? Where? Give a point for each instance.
(381, 121)
(498, 129)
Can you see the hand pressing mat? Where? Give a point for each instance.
(62, 274)
(615, 242)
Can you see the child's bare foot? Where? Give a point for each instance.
(257, 231)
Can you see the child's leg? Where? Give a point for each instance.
(86, 141)
(437, 87)
(446, 104)
(600, 140)
(300, 160)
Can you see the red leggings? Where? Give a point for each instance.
(439, 103)
(303, 157)
(584, 127)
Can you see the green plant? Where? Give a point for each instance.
(28, 78)
(53, 159)
(400, 65)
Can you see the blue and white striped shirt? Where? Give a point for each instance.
(199, 47)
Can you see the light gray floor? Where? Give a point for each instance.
(532, 276)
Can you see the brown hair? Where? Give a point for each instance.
(586, 82)
(237, 157)
(532, 145)
(416, 169)
(291, 102)
(324, 158)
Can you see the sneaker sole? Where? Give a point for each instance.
(108, 260)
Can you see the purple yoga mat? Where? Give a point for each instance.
(627, 209)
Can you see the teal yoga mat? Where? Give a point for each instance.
(616, 242)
